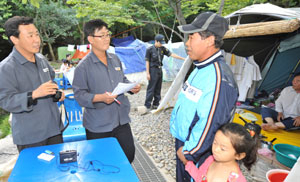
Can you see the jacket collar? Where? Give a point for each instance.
(208, 61)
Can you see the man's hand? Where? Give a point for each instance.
(62, 98)
(297, 121)
(136, 89)
(181, 156)
(48, 88)
(108, 98)
(280, 116)
(148, 76)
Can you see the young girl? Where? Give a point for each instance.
(232, 143)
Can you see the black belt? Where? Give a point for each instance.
(156, 67)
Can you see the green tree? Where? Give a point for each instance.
(5, 13)
(53, 20)
(35, 3)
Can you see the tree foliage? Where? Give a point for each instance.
(231, 6)
(35, 3)
(5, 12)
(111, 11)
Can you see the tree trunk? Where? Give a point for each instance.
(81, 34)
(49, 46)
(221, 7)
(51, 52)
(176, 5)
(165, 26)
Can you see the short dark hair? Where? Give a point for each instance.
(296, 74)
(68, 55)
(218, 40)
(242, 142)
(91, 26)
(11, 26)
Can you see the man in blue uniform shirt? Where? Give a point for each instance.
(154, 57)
(207, 99)
(27, 89)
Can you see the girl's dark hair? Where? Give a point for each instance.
(11, 26)
(91, 26)
(242, 142)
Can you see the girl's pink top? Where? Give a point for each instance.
(199, 175)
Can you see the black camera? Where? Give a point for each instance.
(56, 96)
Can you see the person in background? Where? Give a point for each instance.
(232, 143)
(27, 89)
(207, 99)
(154, 58)
(287, 108)
(69, 58)
(64, 66)
(96, 76)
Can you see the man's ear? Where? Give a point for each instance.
(14, 40)
(211, 40)
(90, 39)
(240, 156)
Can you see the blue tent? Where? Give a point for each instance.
(131, 53)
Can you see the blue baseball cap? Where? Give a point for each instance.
(160, 38)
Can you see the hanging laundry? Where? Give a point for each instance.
(71, 48)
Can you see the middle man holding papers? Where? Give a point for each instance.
(95, 78)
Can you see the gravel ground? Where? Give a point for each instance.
(152, 132)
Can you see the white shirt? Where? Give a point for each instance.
(288, 103)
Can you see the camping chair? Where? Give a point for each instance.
(74, 131)
(66, 82)
(59, 82)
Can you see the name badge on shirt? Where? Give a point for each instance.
(46, 70)
(191, 93)
(117, 68)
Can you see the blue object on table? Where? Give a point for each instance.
(59, 82)
(67, 84)
(103, 154)
(75, 131)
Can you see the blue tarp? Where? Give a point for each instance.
(132, 55)
(124, 42)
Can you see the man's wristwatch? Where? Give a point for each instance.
(30, 101)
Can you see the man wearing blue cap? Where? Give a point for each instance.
(207, 99)
(154, 57)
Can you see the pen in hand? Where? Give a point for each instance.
(116, 100)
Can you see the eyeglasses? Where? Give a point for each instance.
(102, 36)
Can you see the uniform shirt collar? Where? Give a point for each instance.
(19, 57)
(96, 59)
(208, 60)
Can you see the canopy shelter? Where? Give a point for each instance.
(271, 35)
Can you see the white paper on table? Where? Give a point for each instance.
(123, 87)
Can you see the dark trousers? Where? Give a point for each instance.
(49, 141)
(124, 136)
(287, 122)
(181, 174)
(154, 87)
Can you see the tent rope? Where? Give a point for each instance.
(160, 19)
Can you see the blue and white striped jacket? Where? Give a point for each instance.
(205, 103)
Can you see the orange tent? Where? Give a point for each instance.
(79, 54)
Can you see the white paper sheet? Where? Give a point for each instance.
(123, 87)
